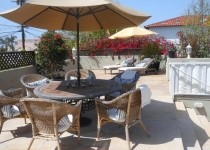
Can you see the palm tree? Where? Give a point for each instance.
(8, 43)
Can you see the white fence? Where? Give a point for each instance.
(191, 76)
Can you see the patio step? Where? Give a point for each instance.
(201, 127)
(189, 138)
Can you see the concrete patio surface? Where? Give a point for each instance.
(159, 117)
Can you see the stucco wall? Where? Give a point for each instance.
(11, 78)
(170, 33)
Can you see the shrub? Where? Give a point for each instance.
(122, 46)
(50, 55)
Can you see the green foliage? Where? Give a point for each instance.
(86, 36)
(195, 32)
(198, 38)
(50, 55)
(152, 50)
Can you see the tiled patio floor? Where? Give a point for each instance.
(159, 118)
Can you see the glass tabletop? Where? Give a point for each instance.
(59, 90)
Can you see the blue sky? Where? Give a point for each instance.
(160, 10)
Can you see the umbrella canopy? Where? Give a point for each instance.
(132, 32)
(75, 15)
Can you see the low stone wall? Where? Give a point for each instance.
(97, 62)
(11, 78)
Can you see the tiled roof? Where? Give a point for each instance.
(178, 21)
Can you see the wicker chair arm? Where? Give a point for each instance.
(101, 108)
(116, 102)
(16, 93)
(8, 101)
(75, 110)
(127, 87)
(70, 109)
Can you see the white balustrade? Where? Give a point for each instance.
(191, 77)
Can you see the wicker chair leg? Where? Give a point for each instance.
(127, 136)
(145, 129)
(98, 132)
(58, 143)
(1, 125)
(25, 120)
(78, 134)
(30, 143)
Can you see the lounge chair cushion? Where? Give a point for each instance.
(65, 123)
(10, 111)
(116, 114)
(142, 64)
(146, 59)
(121, 80)
(127, 62)
(126, 77)
(38, 83)
(128, 74)
(124, 63)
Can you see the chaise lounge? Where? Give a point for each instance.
(128, 62)
(142, 66)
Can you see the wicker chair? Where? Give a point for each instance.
(10, 106)
(88, 104)
(126, 86)
(124, 110)
(51, 118)
(31, 81)
(85, 74)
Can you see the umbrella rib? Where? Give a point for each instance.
(69, 12)
(95, 18)
(35, 15)
(95, 10)
(65, 20)
(72, 13)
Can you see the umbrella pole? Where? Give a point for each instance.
(78, 58)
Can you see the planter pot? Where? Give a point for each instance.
(155, 65)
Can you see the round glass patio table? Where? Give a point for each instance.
(61, 90)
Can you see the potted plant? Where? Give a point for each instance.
(50, 54)
(153, 50)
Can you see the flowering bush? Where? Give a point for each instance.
(119, 46)
(51, 53)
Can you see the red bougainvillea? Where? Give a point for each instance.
(121, 45)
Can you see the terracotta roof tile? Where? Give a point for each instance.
(178, 21)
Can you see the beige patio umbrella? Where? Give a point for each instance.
(132, 32)
(75, 15)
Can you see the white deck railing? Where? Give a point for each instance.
(189, 78)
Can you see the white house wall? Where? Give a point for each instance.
(168, 32)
